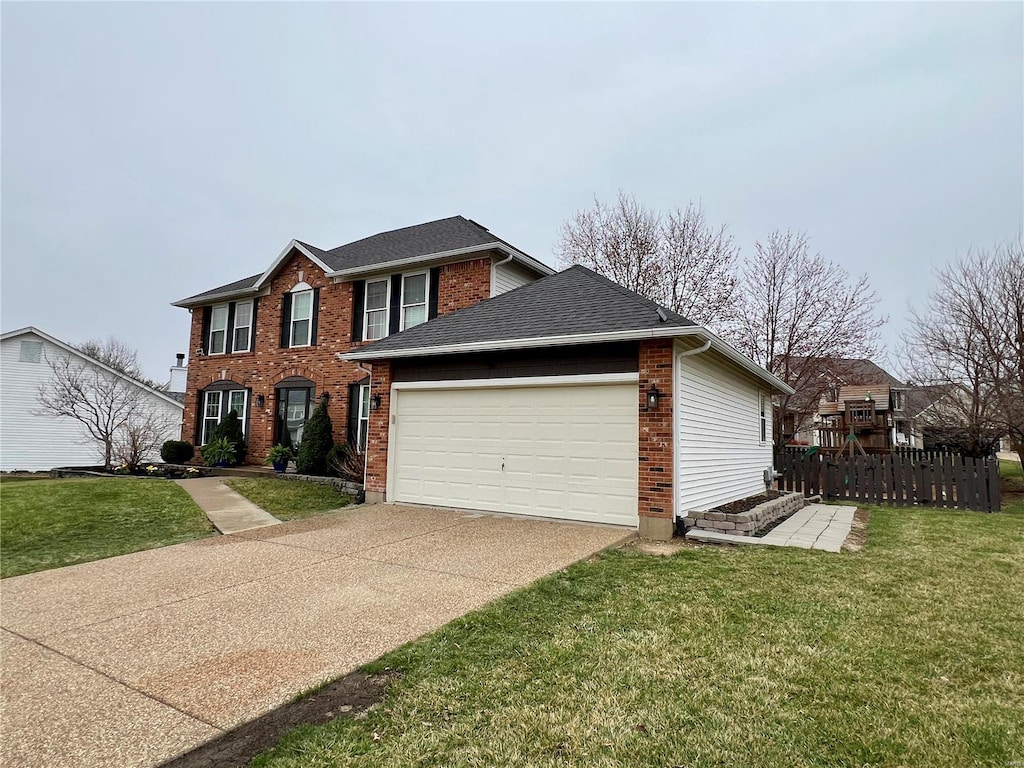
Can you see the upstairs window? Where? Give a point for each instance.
(218, 330)
(302, 318)
(243, 327)
(414, 300)
(376, 313)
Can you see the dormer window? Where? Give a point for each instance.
(376, 320)
(414, 300)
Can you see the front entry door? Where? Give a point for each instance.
(292, 414)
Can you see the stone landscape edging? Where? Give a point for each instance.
(746, 523)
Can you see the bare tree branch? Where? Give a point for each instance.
(796, 313)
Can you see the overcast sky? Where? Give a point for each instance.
(153, 151)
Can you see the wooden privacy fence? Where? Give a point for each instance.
(900, 479)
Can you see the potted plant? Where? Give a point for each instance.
(279, 456)
(219, 453)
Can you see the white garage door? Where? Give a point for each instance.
(556, 451)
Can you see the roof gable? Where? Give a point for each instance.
(89, 359)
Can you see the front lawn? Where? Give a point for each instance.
(290, 499)
(52, 523)
(906, 654)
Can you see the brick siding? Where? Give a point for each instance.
(460, 285)
(656, 497)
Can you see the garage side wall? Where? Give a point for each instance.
(722, 457)
(377, 434)
(655, 491)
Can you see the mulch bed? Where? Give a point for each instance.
(349, 696)
(747, 504)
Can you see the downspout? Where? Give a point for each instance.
(494, 272)
(697, 350)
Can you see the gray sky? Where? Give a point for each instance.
(152, 151)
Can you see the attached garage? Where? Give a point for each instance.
(571, 398)
(562, 447)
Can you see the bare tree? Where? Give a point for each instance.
(970, 340)
(114, 412)
(118, 355)
(142, 435)
(796, 314)
(677, 259)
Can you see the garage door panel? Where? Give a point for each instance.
(568, 452)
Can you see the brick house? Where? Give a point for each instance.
(267, 346)
(472, 377)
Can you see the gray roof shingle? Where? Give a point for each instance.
(454, 233)
(575, 301)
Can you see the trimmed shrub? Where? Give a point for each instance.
(177, 451)
(317, 442)
(230, 429)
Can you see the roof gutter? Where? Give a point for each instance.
(711, 342)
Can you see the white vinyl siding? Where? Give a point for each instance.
(510, 276)
(721, 457)
(33, 441)
(554, 451)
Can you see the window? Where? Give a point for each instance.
(364, 417)
(218, 330)
(414, 300)
(30, 351)
(302, 319)
(375, 323)
(764, 418)
(243, 327)
(218, 404)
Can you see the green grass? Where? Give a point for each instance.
(52, 523)
(290, 499)
(906, 654)
(1012, 487)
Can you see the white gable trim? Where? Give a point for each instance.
(91, 360)
(293, 245)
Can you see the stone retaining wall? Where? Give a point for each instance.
(746, 523)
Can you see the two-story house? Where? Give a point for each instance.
(267, 346)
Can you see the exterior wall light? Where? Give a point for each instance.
(375, 403)
(652, 397)
(260, 401)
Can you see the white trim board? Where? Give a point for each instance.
(596, 379)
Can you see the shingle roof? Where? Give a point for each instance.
(573, 302)
(409, 242)
(451, 234)
(235, 287)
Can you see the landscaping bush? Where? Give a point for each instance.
(346, 462)
(219, 452)
(177, 451)
(230, 429)
(317, 442)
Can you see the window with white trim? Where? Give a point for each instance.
(414, 300)
(218, 404)
(302, 318)
(364, 417)
(218, 330)
(764, 417)
(375, 320)
(243, 327)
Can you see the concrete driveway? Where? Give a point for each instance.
(133, 660)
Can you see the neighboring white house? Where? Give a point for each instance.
(32, 440)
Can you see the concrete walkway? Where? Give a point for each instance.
(816, 526)
(229, 512)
